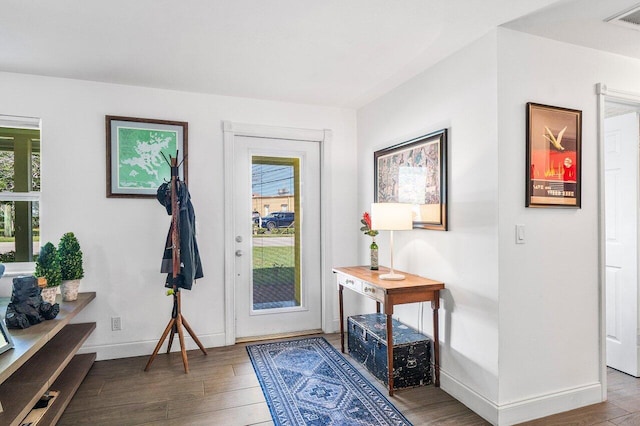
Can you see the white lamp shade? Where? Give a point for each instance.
(391, 216)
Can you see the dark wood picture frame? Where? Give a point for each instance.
(553, 157)
(135, 147)
(415, 172)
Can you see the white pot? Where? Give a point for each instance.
(49, 294)
(69, 290)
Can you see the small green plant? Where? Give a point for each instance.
(70, 257)
(48, 265)
(7, 257)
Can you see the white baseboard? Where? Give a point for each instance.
(526, 409)
(546, 405)
(131, 349)
(125, 350)
(335, 326)
(476, 402)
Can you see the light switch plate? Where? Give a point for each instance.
(520, 234)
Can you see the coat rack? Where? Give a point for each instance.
(177, 320)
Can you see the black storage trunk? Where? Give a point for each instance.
(367, 343)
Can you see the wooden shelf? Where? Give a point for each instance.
(28, 341)
(43, 353)
(68, 383)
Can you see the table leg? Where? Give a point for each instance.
(390, 353)
(435, 305)
(341, 318)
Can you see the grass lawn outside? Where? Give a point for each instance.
(274, 275)
(273, 257)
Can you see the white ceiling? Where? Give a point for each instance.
(328, 52)
(582, 22)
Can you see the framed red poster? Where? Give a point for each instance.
(554, 162)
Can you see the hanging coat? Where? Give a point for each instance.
(190, 265)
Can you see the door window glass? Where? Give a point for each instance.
(276, 241)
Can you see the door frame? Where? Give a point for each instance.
(612, 95)
(230, 131)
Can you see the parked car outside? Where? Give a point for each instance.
(277, 220)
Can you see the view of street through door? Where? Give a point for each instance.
(276, 260)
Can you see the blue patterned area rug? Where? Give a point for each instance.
(308, 382)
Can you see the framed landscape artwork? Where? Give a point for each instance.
(554, 163)
(137, 154)
(415, 172)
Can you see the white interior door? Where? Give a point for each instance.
(277, 236)
(621, 229)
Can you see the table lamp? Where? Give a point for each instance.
(391, 217)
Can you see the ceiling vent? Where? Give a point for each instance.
(630, 18)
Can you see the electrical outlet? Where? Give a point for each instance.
(116, 324)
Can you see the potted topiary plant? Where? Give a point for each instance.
(48, 266)
(70, 257)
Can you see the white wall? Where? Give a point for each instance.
(123, 239)
(459, 94)
(521, 329)
(549, 289)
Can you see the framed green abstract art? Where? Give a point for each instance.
(136, 152)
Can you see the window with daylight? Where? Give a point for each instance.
(19, 189)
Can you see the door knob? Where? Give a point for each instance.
(238, 253)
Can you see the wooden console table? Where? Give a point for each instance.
(413, 288)
(44, 357)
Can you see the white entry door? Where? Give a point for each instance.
(621, 230)
(277, 236)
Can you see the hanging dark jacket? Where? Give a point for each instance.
(190, 265)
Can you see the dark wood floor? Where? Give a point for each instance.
(222, 389)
